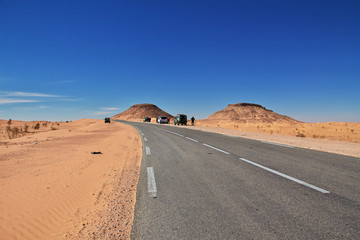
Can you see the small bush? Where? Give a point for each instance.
(26, 128)
(52, 128)
(9, 122)
(37, 126)
(15, 132)
(8, 131)
(12, 132)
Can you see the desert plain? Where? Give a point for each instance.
(54, 187)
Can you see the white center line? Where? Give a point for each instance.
(192, 139)
(151, 182)
(145, 139)
(147, 151)
(278, 144)
(215, 148)
(286, 176)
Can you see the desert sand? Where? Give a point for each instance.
(52, 187)
(340, 131)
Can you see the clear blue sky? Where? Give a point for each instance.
(65, 60)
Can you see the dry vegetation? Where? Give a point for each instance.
(10, 129)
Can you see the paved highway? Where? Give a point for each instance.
(200, 185)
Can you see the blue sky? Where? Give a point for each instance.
(65, 60)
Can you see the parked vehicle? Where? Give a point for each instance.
(147, 119)
(161, 120)
(180, 119)
(107, 120)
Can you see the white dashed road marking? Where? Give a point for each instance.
(147, 150)
(145, 139)
(278, 144)
(215, 148)
(173, 133)
(151, 182)
(286, 176)
(192, 139)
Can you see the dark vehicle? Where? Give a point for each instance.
(147, 119)
(161, 120)
(107, 120)
(180, 119)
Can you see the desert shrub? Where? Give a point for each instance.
(8, 131)
(44, 124)
(300, 135)
(9, 122)
(37, 126)
(26, 128)
(12, 132)
(52, 128)
(15, 132)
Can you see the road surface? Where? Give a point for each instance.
(201, 185)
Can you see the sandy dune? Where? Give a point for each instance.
(52, 187)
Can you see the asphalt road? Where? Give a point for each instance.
(200, 185)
